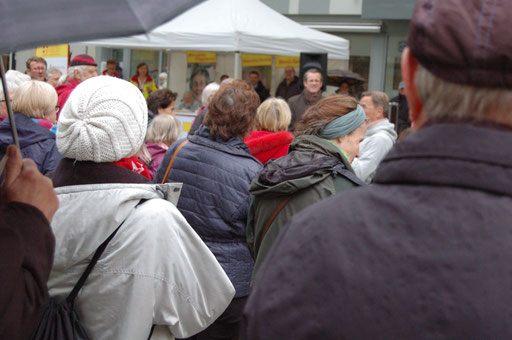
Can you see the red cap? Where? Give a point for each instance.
(83, 59)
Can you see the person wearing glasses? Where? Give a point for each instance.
(36, 68)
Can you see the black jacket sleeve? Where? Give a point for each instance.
(26, 257)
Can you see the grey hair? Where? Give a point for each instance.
(442, 99)
(53, 70)
(379, 99)
(79, 68)
(14, 80)
(310, 71)
(208, 92)
(163, 128)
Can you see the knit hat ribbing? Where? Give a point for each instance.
(103, 120)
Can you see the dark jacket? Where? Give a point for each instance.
(403, 112)
(26, 249)
(287, 91)
(423, 253)
(215, 197)
(36, 142)
(313, 170)
(198, 121)
(298, 105)
(262, 91)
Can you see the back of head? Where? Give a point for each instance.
(232, 110)
(465, 59)
(14, 80)
(34, 99)
(163, 129)
(104, 120)
(273, 115)
(328, 109)
(208, 92)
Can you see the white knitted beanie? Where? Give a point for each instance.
(103, 120)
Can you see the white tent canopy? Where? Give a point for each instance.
(235, 26)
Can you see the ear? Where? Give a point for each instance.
(409, 67)
(77, 76)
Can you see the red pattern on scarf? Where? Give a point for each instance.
(135, 165)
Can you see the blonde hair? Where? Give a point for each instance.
(442, 99)
(273, 115)
(163, 129)
(35, 99)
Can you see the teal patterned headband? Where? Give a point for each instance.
(345, 124)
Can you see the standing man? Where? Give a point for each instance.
(290, 85)
(36, 68)
(311, 94)
(424, 252)
(82, 67)
(379, 138)
(403, 108)
(261, 90)
(111, 69)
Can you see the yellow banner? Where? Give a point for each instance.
(285, 61)
(256, 60)
(201, 57)
(52, 51)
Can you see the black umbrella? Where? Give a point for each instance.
(30, 23)
(337, 77)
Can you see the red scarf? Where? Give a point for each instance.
(135, 165)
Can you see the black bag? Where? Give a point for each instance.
(60, 321)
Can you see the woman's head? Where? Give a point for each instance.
(208, 93)
(199, 79)
(163, 129)
(273, 115)
(36, 99)
(162, 102)
(338, 119)
(142, 70)
(232, 110)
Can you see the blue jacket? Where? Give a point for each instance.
(215, 198)
(36, 142)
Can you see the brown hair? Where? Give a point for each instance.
(379, 99)
(160, 99)
(232, 110)
(36, 59)
(322, 113)
(111, 61)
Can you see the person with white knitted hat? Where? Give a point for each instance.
(155, 270)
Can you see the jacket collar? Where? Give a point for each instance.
(71, 172)
(234, 146)
(452, 154)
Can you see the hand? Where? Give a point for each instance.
(24, 183)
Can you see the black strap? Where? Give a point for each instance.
(71, 297)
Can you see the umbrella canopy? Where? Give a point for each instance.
(235, 26)
(27, 24)
(337, 77)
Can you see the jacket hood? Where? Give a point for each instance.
(261, 141)
(102, 207)
(311, 160)
(29, 132)
(382, 127)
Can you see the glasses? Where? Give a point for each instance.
(57, 109)
(39, 69)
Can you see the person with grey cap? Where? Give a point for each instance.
(155, 270)
(316, 167)
(403, 109)
(424, 252)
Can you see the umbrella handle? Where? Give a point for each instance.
(9, 109)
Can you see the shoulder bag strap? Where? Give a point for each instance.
(72, 295)
(172, 160)
(269, 222)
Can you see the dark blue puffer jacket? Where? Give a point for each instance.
(215, 198)
(36, 142)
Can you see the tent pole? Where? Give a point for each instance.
(160, 64)
(238, 68)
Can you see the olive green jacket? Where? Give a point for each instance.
(313, 170)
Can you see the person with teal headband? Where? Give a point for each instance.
(317, 166)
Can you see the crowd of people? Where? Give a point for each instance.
(297, 216)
